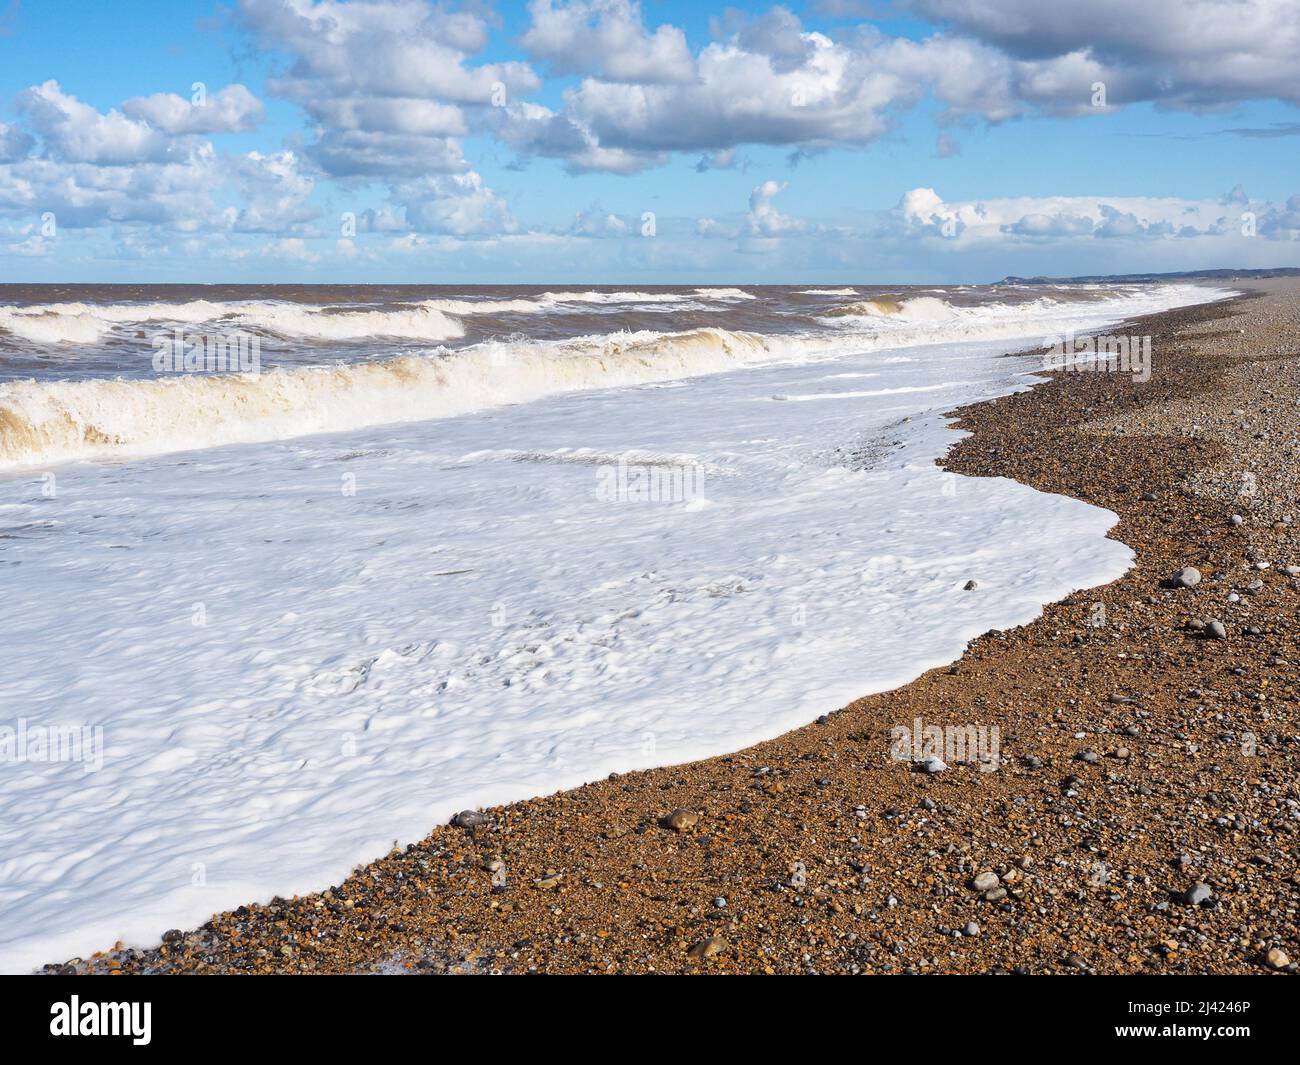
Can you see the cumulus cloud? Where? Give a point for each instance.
(14, 143)
(1186, 53)
(457, 204)
(388, 82)
(762, 222)
(232, 110)
(595, 221)
(147, 167)
(275, 194)
(764, 219)
(391, 89)
(74, 132)
(608, 38)
(768, 80)
(1068, 219)
(176, 195)
(827, 94)
(764, 80)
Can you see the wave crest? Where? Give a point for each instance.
(60, 421)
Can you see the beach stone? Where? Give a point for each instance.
(708, 948)
(1215, 630)
(682, 820)
(970, 928)
(1197, 894)
(1088, 756)
(1277, 958)
(470, 819)
(986, 881)
(1187, 577)
(932, 763)
(970, 586)
(1236, 519)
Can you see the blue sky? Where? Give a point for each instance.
(593, 140)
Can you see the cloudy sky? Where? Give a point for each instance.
(660, 141)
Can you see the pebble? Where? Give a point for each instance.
(1215, 630)
(1197, 894)
(1187, 577)
(970, 586)
(986, 881)
(970, 928)
(708, 948)
(1236, 519)
(470, 819)
(932, 763)
(682, 820)
(1277, 958)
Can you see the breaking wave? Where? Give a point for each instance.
(430, 320)
(59, 421)
(82, 323)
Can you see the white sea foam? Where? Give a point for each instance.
(303, 651)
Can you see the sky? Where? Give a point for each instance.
(666, 141)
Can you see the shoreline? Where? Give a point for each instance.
(827, 855)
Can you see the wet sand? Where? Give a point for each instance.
(1139, 757)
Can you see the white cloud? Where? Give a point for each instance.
(763, 222)
(390, 88)
(595, 221)
(232, 110)
(275, 194)
(1001, 221)
(1186, 53)
(607, 37)
(457, 204)
(386, 81)
(14, 143)
(74, 132)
